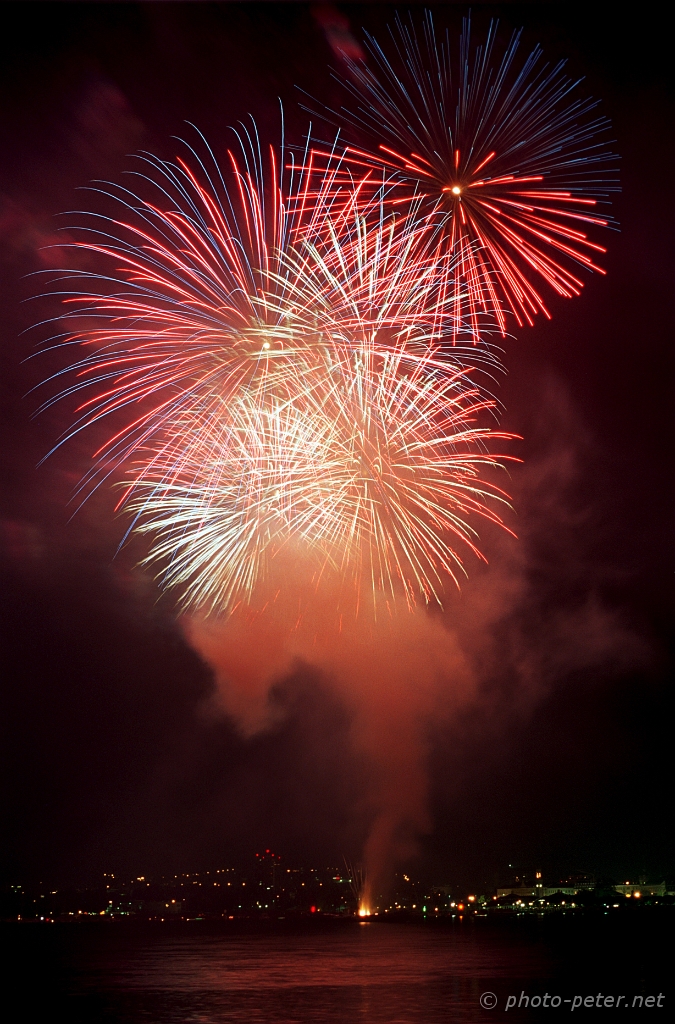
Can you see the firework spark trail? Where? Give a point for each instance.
(185, 306)
(504, 163)
(373, 471)
(197, 289)
(274, 366)
(368, 453)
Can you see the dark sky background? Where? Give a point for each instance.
(112, 757)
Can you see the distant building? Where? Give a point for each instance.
(539, 891)
(580, 882)
(536, 892)
(637, 889)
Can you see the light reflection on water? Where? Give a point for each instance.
(339, 973)
(369, 975)
(370, 956)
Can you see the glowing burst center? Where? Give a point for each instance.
(455, 190)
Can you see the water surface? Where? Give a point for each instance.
(366, 974)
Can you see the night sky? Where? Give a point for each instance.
(115, 757)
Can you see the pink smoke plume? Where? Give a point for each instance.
(391, 675)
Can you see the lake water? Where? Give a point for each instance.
(366, 974)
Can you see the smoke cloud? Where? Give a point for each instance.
(393, 676)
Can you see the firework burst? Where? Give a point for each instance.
(271, 366)
(367, 466)
(505, 165)
(177, 318)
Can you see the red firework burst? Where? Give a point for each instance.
(505, 167)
